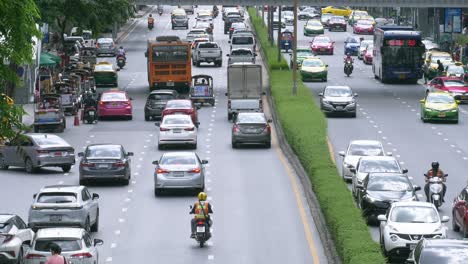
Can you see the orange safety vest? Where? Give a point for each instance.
(150, 20)
(201, 210)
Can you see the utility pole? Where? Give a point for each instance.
(294, 88)
(279, 34)
(272, 11)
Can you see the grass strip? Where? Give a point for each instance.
(305, 128)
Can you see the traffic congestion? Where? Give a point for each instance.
(160, 145)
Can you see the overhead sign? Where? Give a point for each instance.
(453, 20)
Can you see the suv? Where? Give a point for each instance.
(179, 19)
(14, 233)
(241, 55)
(156, 101)
(429, 251)
(64, 205)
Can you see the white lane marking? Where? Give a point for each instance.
(364, 113)
(66, 174)
(389, 143)
(124, 209)
(138, 166)
(142, 153)
(208, 180)
(140, 159)
(452, 146)
(127, 200)
(208, 189)
(121, 220)
(145, 146)
(150, 135)
(371, 121)
(208, 158)
(208, 140)
(84, 147)
(403, 102)
(117, 232)
(394, 150)
(148, 140)
(113, 245)
(465, 158)
(402, 162)
(88, 141)
(210, 257)
(433, 127)
(384, 138)
(211, 124)
(209, 198)
(209, 134)
(91, 136)
(109, 259)
(209, 129)
(134, 182)
(439, 133)
(130, 191)
(413, 110)
(376, 126)
(208, 172)
(208, 146)
(398, 98)
(208, 152)
(136, 173)
(398, 156)
(445, 139)
(458, 151)
(380, 131)
(210, 243)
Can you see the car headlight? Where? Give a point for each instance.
(326, 102)
(352, 103)
(371, 199)
(431, 110)
(394, 238)
(454, 110)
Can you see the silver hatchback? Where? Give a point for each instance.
(33, 151)
(179, 170)
(64, 205)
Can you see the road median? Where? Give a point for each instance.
(305, 129)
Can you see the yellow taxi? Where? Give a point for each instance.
(337, 10)
(430, 62)
(368, 18)
(314, 69)
(356, 15)
(105, 74)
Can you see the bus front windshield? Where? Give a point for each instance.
(170, 53)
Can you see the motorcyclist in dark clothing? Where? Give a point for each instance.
(435, 172)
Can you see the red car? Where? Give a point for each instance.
(460, 213)
(454, 85)
(322, 45)
(186, 107)
(368, 56)
(115, 103)
(363, 27)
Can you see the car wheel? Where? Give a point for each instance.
(130, 118)
(95, 226)
(359, 202)
(194, 146)
(234, 145)
(455, 227)
(3, 165)
(268, 145)
(83, 182)
(353, 114)
(157, 192)
(229, 116)
(87, 225)
(147, 118)
(29, 166)
(382, 246)
(126, 181)
(66, 168)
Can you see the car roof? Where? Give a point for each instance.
(413, 203)
(250, 113)
(177, 117)
(104, 144)
(377, 158)
(179, 153)
(5, 217)
(386, 174)
(59, 232)
(338, 86)
(446, 78)
(365, 142)
(164, 92)
(440, 53)
(180, 100)
(61, 188)
(446, 242)
(114, 91)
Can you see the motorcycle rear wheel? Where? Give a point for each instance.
(202, 243)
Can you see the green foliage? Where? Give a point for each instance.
(461, 39)
(10, 116)
(306, 131)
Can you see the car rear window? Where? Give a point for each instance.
(365, 150)
(454, 83)
(57, 198)
(161, 97)
(107, 151)
(104, 40)
(242, 40)
(114, 97)
(208, 46)
(179, 104)
(177, 120)
(43, 245)
(178, 160)
(49, 141)
(251, 118)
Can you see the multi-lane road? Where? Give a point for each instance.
(260, 214)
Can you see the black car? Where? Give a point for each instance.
(156, 102)
(439, 251)
(379, 190)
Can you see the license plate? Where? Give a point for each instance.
(177, 130)
(103, 166)
(170, 83)
(441, 114)
(178, 174)
(402, 76)
(58, 154)
(179, 113)
(322, 49)
(91, 113)
(55, 218)
(200, 229)
(251, 130)
(339, 108)
(114, 104)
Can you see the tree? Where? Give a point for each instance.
(10, 117)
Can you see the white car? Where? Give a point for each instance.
(363, 47)
(76, 244)
(371, 164)
(288, 17)
(357, 149)
(14, 233)
(177, 130)
(406, 223)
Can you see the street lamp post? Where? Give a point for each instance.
(294, 64)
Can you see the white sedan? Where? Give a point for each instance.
(177, 130)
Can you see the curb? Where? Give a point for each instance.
(312, 201)
(126, 31)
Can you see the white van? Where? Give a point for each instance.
(243, 41)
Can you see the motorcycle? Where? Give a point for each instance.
(150, 25)
(120, 61)
(348, 68)
(202, 231)
(435, 190)
(90, 115)
(160, 10)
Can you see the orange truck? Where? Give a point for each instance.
(169, 63)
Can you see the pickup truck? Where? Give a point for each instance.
(207, 52)
(241, 55)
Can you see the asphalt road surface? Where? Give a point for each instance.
(260, 214)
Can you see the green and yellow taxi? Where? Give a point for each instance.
(337, 10)
(302, 54)
(313, 27)
(105, 74)
(430, 62)
(356, 15)
(314, 69)
(439, 106)
(455, 70)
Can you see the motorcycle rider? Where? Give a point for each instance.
(202, 211)
(348, 58)
(150, 19)
(435, 172)
(440, 68)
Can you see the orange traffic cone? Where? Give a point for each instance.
(77, 120)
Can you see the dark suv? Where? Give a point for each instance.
(156, 102)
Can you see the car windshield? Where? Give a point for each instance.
(179, 104)
(457, 70)
(180, 17)
(364, 22)
(203, 25)
(414, 214)
(170, 53)
(161, 97)
(312, 63)
(251, 118)
(379, 166)
(365, 150)
(321, 40)
(326, 16)
(56, 198)
(304, 53)
(104, 40)
(104, 152)
(178, 160)
(314, 23)
(107, 97)
(43, 245)
(242, 40)
(179, 120)
(455, 82)
(360, 13)
(441, 58)
(208, 46)
(440, 99)
(447, 254)
(49, 140)
(337, 92)
(389, 183)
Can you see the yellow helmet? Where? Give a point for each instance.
(202, 196)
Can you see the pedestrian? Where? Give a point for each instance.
(56, 258)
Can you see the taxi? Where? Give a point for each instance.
(455, 70)
(105, 74)
(368, 18)
(313, 27)
(337, 10)
(356, 15)
(302, 53)
(439, 106)
(113, 103)
(314, 69)
(430, 62)
(205, 12)
(456, 86)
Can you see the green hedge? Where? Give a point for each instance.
(306, 131)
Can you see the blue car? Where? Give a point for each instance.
(351, 46)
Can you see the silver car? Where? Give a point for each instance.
(338, 100)
(77, 246)
(179, 170)
(64, 205)
(177, 130)
(363, 47)
(251, 128)
(105, 162)
(14, 233)
(241, 55)
(357, 149)
(105, 46)
(33, 151)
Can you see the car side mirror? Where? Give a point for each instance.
(417, 188)
(353, 170)
(204, 162)
(34, 196)
(381, 218)
(229, 41)
(405, 170)
(95, 196)
(98, 242)
(321, 94)
(389, 153)
(445, 219)
(80, 154)
(341, 153)
(198, 107)
(197, 123)
(355, 95)
(422, 101)
(129, 153)
(156, 162)
(157, 124)
(263, 93)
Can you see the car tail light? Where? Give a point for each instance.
(7, 238)
(87, 164)
(196, 170)
(34, 256)
(101, 103)
(163, 129)
(119, 164)
(82, 255)
(189, 129)
(161, 171)
(235, 128)
(268, 128)
(42, 151)
(200, 223)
